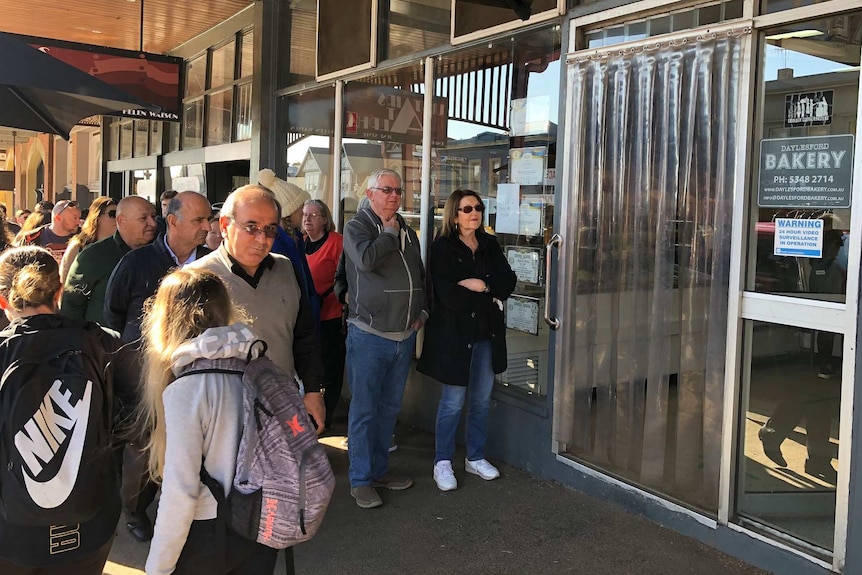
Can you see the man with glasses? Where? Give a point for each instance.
(65, 221)
(132, 282)
(87, 281)
(265, 285)
(386, 296)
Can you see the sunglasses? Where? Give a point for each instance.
(68, 204)
(389, 191)
(469, 209)
(269, 231)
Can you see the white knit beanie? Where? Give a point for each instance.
(290, 196)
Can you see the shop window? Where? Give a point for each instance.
(664, 24)
(346, 36)
(770, 6)
(219, 117)
(297, 43)
(800, 240)
(311, 124)
(223, 65)
(126, 139)
(196, 76)
(156, 138)
(472, 16)
(502, 107)
(243, 113)
(193, 124)
(246, 64)
(416, 25)
(114, 151)
(142, 138)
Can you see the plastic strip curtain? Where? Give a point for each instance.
(644, 280)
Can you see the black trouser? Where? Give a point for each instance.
(332, 341)
(91, 564)
(203, 553)
(137, 491)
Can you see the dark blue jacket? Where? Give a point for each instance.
(292, 246)
(135, 279)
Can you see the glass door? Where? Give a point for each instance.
(796, 321)
(644, 275)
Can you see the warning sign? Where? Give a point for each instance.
(801, 238)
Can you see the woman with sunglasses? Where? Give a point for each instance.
(101, 223)
(465, 337)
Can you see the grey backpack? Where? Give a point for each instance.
(283, 481)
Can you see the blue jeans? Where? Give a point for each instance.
(479, 386)
(377, 371)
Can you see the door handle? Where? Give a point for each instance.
(556, 240)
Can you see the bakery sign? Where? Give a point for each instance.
(808, 109)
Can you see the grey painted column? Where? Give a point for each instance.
(266, 151)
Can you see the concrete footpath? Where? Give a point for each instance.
(516, 524)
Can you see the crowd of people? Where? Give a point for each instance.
(121, 302)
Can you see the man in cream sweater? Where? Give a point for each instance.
(265, 286)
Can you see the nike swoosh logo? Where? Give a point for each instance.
(54, 492)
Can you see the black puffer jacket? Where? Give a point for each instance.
(456, 314)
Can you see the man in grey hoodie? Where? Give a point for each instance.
(387, 306)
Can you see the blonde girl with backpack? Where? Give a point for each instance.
(195, 419)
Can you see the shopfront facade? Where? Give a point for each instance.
(673, 183)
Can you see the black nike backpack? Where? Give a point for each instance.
(56, 461)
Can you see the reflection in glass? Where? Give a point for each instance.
(810, 95)
(416, 25)
(789, 431)
(126, 135)
(156, 138)
(196, 76)
(193, 124)
(142, 138)
(223, 64)
(219, 118)
(246, 66)
(243, 113)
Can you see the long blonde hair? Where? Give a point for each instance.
(187, 303)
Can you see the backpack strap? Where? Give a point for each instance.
(221, 510)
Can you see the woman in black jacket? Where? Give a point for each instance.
(465, 337)
(64, 383)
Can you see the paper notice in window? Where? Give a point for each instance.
(527, 165)
(508, 204)
(530, 115)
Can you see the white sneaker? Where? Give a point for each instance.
(482, 468)
(444, 476)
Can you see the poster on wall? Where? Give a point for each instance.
(808, 109)
(807, 172)
(798, 237)
(522, 314)
(530, 116)
(527, 165)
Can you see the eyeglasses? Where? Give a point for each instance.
(112, 214)
(269, 231)
(312, 215)
(68, 204)
(389, 191)
(469, 209)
